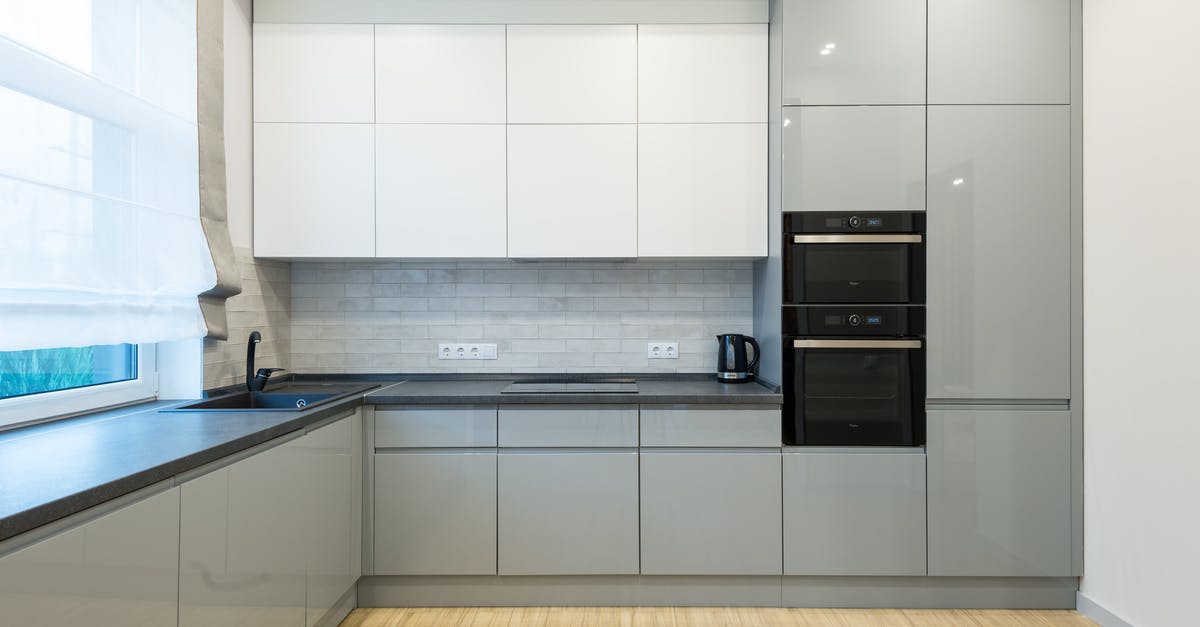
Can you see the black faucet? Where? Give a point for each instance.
(255, 382)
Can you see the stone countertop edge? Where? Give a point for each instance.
(650, 392)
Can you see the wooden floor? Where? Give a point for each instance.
(707, 617)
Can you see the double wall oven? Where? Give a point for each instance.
(854, 329)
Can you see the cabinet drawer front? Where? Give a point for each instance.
(462, 426)
(711, 425)
(568, 425)
(335, 437)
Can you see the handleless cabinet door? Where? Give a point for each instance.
(702, 73)
(330, 520)
(568, 512)
(711, 512)
(572, 74)
(999, 252)
(119, 570)
(1010, 52)
(854, 158)
(439, 74)
(314, 73)
(854, 513)
(1000, 493)
(839, 52)
(314, 190)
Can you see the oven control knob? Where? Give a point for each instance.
(854, 222)
(854, 320)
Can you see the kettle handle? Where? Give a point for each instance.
(754, 345)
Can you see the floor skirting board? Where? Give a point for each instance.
(736, 591)
(1099, 613)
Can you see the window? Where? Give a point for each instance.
(23, 373)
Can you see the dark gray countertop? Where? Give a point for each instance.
(54, 470)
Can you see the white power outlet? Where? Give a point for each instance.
(662, 350)
(466, 351)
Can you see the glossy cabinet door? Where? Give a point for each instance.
(839, 52)
(572, 74)
(1010, 52)
(119, 570)
(1000, 493)
(314, 190)
(330, 520)
(440, 190)
(702, 73)
(999, 253)
(702, 190)
(439, 74)
(314, 73)
(711, 512)
(568, 512)
(242, 556)
(854, 158)
(854, 513)
(572, 191)
(568, 425)
(435, 513)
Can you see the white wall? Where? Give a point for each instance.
(1142, 297)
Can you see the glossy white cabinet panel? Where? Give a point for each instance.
(854, 158)
(119, 570)
(572, 191)
(839, 52)
(461, 426)
(1010, 52)
(572, 74)
(710, 425)
(702, 190)
(314, 73)
(440, 190)
(314, 190)
(702, 73)
(439, 73)
(999, 252)
(568, 425)
(330, 520)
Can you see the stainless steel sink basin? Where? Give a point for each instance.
(287, 397)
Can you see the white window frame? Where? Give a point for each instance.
(23, 411)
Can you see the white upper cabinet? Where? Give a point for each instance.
(440, 74)
(440, 190)
(314, 73)
(702, 73)
(702, 190)
(572, 74)
(1009, 52)
(572, 191)
(854, 51)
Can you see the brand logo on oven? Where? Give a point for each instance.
(855, 283)
(854, 426)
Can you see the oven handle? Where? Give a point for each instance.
(856, 344)
(858, 239)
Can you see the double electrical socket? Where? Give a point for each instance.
(662, 350)
(466, 351)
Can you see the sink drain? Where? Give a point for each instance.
(301, 403)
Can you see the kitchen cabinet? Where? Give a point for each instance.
(854, 158)
(702, 73)
(701, 190)
(854, 512)
(118, 570)
(572, 191)
(988, 52)
(1000, 493)
(711, 512)
(440, 190)
(710, 425)
(572, 74)
(314, 73)
(568, 425)
(439, 74)
(314, 190)
(568, 512)
(841, 52)
(333, 476)
(999, 252)
(432, 426)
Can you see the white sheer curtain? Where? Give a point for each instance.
(100, 238)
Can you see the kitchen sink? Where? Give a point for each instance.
(287, 397)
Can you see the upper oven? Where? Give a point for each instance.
(849, 258)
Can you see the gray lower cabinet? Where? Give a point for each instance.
(334, 519)
(1000, 493)
(854, 513)
(435, 512)
(999, 254)
(711, 512)
(568, 512)
(119, 570)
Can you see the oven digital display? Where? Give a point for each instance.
(874, 221)
(874, 320)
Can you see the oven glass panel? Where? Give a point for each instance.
(856, 273)
(856, 396)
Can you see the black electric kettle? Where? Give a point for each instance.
(732, 365)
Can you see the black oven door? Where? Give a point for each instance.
(850, 268)
(860, 392)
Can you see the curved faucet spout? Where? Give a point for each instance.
(255, 338)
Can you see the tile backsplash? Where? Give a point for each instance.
(543, 316)
(262, 306)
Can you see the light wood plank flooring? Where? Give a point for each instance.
(707, 617)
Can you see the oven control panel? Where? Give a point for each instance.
(844, 222)
(883, 320)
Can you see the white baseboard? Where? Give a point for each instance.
(1098, 613)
